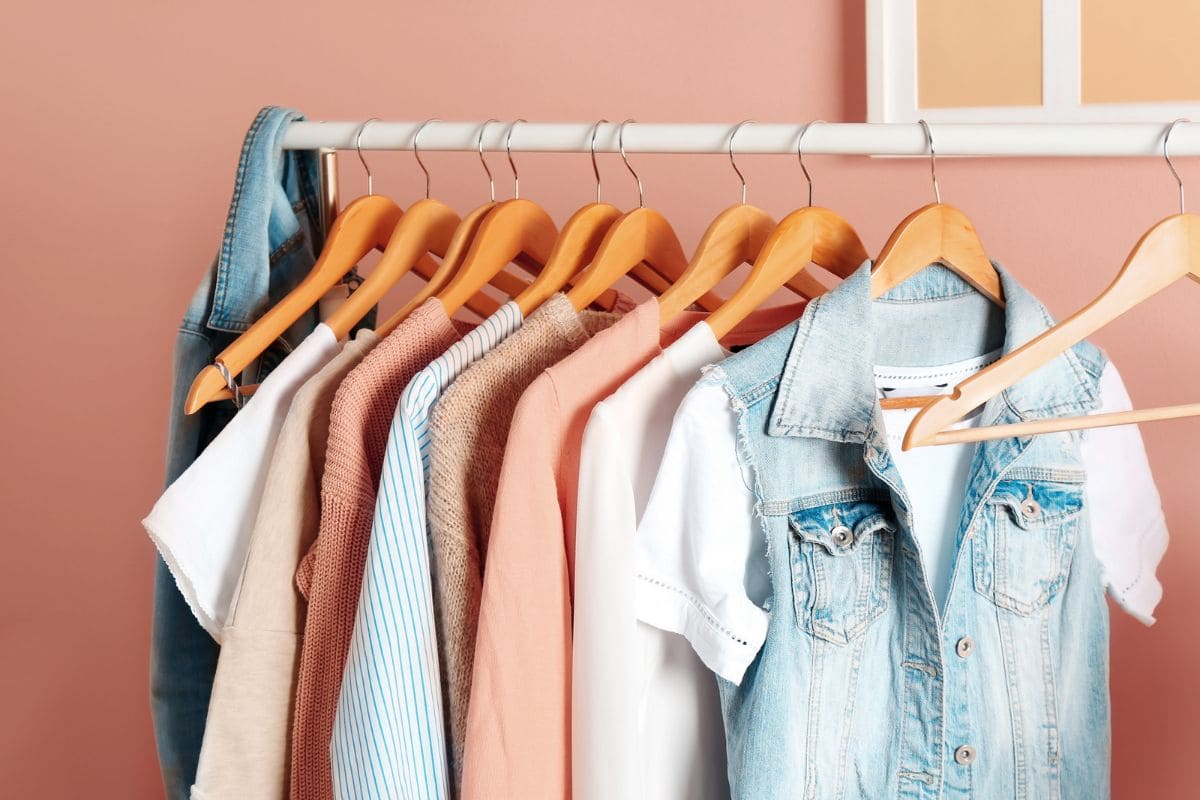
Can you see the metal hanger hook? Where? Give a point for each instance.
(358, 146)
(800, 155)
(511, 164)
(1167, 156)
(937, 193)
(417, 153)
(595, 168)
(628, 166)
(733, 135)
(482, 160)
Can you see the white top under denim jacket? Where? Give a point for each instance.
(782, 539)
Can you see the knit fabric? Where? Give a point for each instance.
(247, 741)
(468, 430)
(330, 575)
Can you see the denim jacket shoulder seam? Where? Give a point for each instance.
(238, 186)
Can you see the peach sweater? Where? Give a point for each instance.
(518, 725)
(518, 741)
(468, 431)
(330, 575)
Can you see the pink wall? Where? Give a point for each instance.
(120, 133)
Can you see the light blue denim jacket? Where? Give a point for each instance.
(863, 688)
(272, 237)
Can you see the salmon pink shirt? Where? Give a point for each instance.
(518, 734)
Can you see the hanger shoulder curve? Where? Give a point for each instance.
(637, 236)
(364, 225)
(426, 227)
(574, 248)
(441, 275)
(807, 235)
(511, 228)
(1167, 252)
(935, 233)
(735, 237)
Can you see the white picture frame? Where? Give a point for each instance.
(892, 75)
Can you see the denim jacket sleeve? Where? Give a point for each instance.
(272, 237)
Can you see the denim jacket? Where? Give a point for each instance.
(272, 237)
(863, 687)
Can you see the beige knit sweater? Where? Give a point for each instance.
(468, 430)
(330, 575)
(247, 741)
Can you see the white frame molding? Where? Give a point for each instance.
(892, 75)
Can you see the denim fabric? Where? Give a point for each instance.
(859, 690)
(272, 237)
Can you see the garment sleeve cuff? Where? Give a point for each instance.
(1135, 587)
(176, 563)
(727, 643)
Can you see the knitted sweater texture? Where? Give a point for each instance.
(330, 575)
(468, 431)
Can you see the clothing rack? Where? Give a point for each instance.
(842, 138)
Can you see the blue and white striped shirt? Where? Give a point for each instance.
(389, 735)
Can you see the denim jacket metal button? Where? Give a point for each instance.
(863, 687)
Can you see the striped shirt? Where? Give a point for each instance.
(389, 733)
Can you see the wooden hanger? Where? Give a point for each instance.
(639, 236)
(576, 246)
(481, 304)
(452, 258)
(511, 230)
(733, 238)
(934, 234)
(941, 234)
(426, 227)
(365, 225)
(1166, 253)
(807, 235)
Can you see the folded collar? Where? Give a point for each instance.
(827, 388)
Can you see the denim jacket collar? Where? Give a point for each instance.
(827, 389)
(270, 189)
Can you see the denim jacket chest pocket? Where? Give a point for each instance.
(841, 560)
(1021, 555)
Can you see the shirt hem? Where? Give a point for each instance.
(1140, 594)
(182, 582)
(727, 650)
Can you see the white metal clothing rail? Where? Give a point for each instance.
(852, 138)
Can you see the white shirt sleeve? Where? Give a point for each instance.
(1129, 530)
(701, 561)
(202, 523)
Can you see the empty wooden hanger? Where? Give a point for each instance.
(366, 224)
(511, 229)
(732, 239)
(1167, 252)
(934, 234)
(808, 235)
(637, 236)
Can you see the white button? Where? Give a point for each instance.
(1030, 509)
(965, 755)
(842, 535)
(965, 646)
